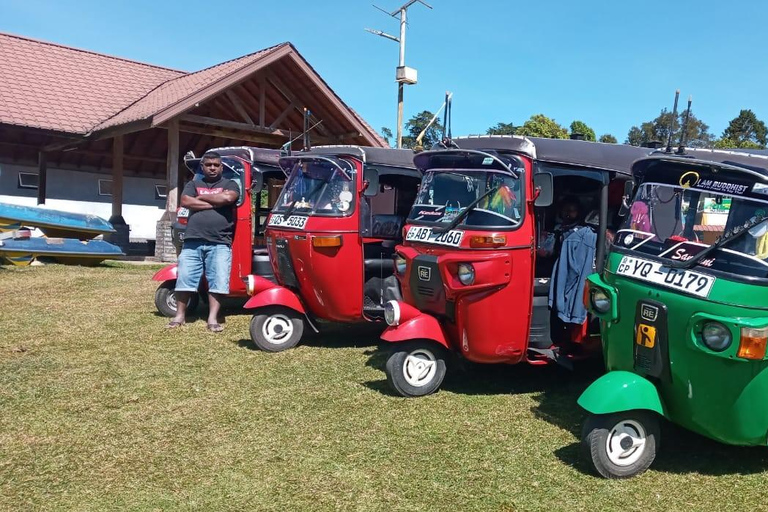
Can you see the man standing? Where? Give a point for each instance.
(207, 241)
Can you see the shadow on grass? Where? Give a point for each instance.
(467, 378)
(334, 336)
(680, 451)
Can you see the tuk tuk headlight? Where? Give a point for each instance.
(601, 302)
(400, 264)
(716, 336)
(250, 284)
(392, 312)
(466, 274)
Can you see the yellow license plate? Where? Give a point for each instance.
(646, 335)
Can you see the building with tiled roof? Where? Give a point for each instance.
(66, 113)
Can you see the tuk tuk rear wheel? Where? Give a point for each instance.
(621, 445)
(165, 300)
(276, 329)
(416, 368)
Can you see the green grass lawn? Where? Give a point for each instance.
(102, 408)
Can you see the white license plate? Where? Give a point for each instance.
(182, 212)
(677, 278)
(294, 221)
(425, 235)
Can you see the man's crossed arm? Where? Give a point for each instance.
(209, 201)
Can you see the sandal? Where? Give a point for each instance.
(215, 327)
(173, 324)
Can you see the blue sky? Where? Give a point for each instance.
(612, 64)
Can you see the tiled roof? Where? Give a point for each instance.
(172, 91)
(39, 81)
(52, 87)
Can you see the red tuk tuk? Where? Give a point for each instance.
(475, 269)
(260, 178)
(331, 237)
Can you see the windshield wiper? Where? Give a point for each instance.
(732, 235)
(455, 222)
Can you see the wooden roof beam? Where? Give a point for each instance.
(235, 125)
(239, 107)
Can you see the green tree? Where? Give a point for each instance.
(746, 131)
(582, 128)
(501, 129)
(416, 124)
(540, 125)
(608, 139)
(386, 134)
(697, 132)
(731, 144)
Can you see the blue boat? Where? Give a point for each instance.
(53, 223)
(21, 251)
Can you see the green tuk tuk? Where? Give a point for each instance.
(683, 307)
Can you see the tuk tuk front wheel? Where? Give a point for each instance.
(276, 329)
(621, 445)
(165, 300)
(416, 368)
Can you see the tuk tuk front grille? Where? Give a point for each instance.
(426, 284)
(426, 291)
(286, 274)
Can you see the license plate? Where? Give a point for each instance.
(294, 221)
(182, 212)
(425, 235)
(679, 279)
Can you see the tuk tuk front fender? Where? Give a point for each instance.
(420, 327)
(167, 273)
(621, 391)
(276, 296)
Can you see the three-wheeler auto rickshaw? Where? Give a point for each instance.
(331, 237)
(474, 277)
(683, 308)
(260, 179)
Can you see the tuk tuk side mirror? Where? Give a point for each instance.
(544, 189)
(629, 188)
(257, 181)
(371, 178)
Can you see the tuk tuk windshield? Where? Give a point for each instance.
(677, 223)
(445, 194)
(318, 187)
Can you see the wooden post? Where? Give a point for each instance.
(42, 176)
(117, 176)
(172, 201)
(262, 100)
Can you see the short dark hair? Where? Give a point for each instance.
(211, 155)
(570, 200)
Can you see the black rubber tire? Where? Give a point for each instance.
(275, 319)
(165, 301)
(396, 368)
(594, 438)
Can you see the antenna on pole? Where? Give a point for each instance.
(683, 132)
(447, 105)
(404, 75)
(672, 122)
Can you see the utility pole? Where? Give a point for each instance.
(403, 75)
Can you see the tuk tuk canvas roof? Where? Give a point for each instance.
(755, 164)
(596, 155)
(372, 155)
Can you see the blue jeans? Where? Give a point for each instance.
(198, 256)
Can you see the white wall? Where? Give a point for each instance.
(78, 191)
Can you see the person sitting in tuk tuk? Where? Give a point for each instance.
(576, 246)
(570, 218)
